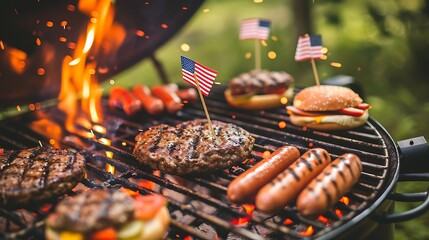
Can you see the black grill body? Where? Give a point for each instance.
(198, 204)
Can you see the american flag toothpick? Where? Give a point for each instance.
(202, 78)
(309, 48)
(258, 29)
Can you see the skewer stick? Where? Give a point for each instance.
(316, 75)
(257, 55)
(205, 107)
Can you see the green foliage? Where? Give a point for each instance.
(384, 45)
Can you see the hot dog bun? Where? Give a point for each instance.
(259, 89)
(326, 107)
(258, 102)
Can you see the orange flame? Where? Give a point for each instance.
(110, 168)
(324, 220)
(287, 221)
(345, 200)
(188, 238)
(308, 232)
(146, 184)
(248, 208)
(338, 213)
(129, 191)
(80, 95)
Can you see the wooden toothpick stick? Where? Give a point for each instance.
(205, 107)
(316, 75)
(257, 55)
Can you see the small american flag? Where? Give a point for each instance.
(254, 29)
(309, 47)
(205, 75)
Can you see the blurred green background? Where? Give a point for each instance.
(384, 45)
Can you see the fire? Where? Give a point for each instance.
(80, 96)
(287, 221)
(146, 184)
(338, 213)
(248, 208)
(308, 232)
(324, 220)
(129, 191)
(110, 168)
(345, 200)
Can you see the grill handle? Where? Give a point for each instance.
(414, 166)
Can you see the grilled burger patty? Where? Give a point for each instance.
(188, 147)
(38, 174)
(93, 210)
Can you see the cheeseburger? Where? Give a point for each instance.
(108, 214)
(259, 90)
(328, 108)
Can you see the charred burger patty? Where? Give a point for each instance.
(38, 174)
(189, 147)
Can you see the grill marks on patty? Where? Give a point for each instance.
(189, 147)
(38, 174)
(92, 210)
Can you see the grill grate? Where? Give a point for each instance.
(198, 204)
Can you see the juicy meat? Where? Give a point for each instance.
(259, 82)
(38, 174)
(189, 147)
(93, 210)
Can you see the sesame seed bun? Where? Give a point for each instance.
(326, 98)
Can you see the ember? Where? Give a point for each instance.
(308, 232)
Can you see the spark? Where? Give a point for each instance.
(112, 82)
(32, 107)
(266, 153)
(1, 45)
(71, 8)
(274, 38)
(272, 55)
(165, 26)
(217, 83)
(38, 42)
(282, 124)
(264, 43)
(124, 144)
(139, 33)
(49, 24)
(248, 55)
(336, 64)
(206, 10)
(184, 8)
(41, 71)
(185, 47)
(18, 108)
(52, 141)
(283, 100)
(258, 1)
(40, 143)
(63, 39)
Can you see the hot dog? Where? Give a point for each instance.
(327, 188)
(275, 195)
(171, 101)
(189, 94)
(151, 104)
(120, 97)
(244, 187)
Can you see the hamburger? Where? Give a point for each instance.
(108, 214)
(259, 90)
(328, 107)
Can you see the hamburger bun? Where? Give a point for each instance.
(326, 98)
(316, 100)
(258, 102)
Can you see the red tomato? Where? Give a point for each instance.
(352, 112)
(104, 234)
(147, 206)
(363, 106)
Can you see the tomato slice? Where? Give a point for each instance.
(356, 112)
(104, 234)
(297, 111)
(363, 106)
(147, 206)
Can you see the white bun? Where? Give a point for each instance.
(156, 227)
(330, 122)
(326, 98)
(258, 102)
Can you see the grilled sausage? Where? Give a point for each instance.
(189, 94)
(327, 188)
(151, 104)
(171, 101)
(121, 98)
(244, 187)
(275, 195)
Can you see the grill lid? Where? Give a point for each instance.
(38, 34)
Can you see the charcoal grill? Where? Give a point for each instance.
(198, 204)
